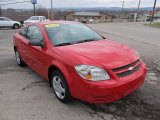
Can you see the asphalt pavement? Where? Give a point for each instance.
(146, 40)
(25, 95)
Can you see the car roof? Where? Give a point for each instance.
(37, 16)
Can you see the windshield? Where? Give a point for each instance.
(7, 19)
(66, 34)
(34, 18)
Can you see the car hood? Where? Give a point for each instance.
(16, 22)
(105, 53)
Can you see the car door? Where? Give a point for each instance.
(7, 22)
(1, 22)
(22, 42)
(36, 55)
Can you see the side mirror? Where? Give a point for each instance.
(36, 43)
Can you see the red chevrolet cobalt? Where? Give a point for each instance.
(78, 62)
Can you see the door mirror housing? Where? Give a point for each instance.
(37, 43)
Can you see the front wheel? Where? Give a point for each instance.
(18, 59)
(60, 87)
(16, 26)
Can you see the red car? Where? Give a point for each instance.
(78, 62)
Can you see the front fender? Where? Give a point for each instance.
(65, 69)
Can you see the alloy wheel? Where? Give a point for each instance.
(18, 57)
(58, 87)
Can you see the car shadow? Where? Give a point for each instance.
(137, 105)
(6, 29)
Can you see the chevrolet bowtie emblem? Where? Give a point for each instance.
(131, 68)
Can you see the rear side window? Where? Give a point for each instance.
(41, 18)
(34, 33)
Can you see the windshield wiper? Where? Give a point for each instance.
(82, 41)
(63, 44)
(87, 40)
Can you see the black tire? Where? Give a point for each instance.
(16, 26)
(18, 59)
(66, 95)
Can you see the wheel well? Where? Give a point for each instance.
(15, 24)
(15, 48)
(50, 70)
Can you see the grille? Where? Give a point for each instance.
(123, 74)
(125, 67)
(124, 70)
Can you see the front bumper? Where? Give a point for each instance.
(108, 91)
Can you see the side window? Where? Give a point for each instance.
(34, 33)
(1, 19)
(23, 32)
(6, 19)
(40, 18)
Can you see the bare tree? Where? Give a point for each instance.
(41, 11)
(59, 15)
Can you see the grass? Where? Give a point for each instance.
(157, 25)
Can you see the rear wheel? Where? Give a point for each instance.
(18, 59)
(60, 87)
(16, 26)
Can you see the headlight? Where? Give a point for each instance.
(92, 73)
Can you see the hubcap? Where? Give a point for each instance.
(18, 58)
(58, 87)
(16, 26)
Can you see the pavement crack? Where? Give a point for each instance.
(125, 109)
(94, 113)
(38, 83)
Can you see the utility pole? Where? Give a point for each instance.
(138, 8)
(34, 10)
(0, 11)
(122, 7)
(51, 10)
(48, 14)
(154, 7)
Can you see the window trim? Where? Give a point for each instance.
(22, 30)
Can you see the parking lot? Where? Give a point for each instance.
(25, 95)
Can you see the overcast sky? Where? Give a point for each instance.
(81, 3)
